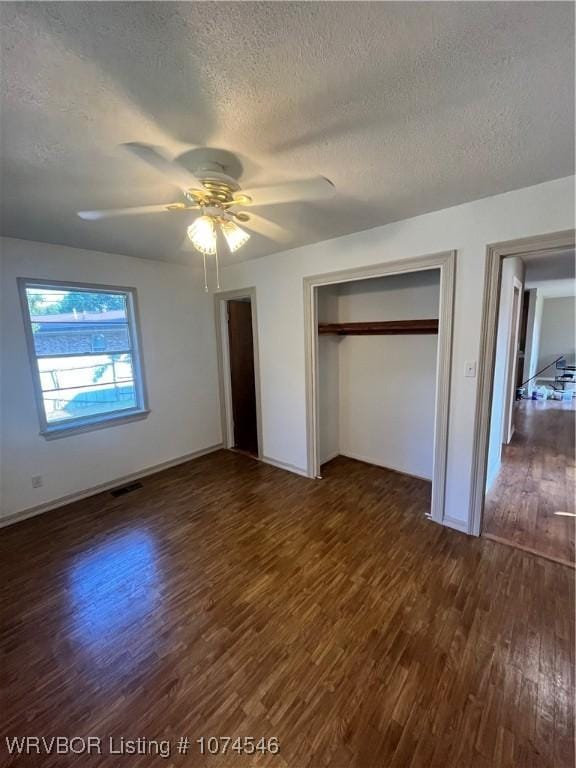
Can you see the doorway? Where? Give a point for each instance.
(236, 328)
(522, 495)
(242, 378)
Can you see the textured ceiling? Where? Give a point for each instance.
(406, 107)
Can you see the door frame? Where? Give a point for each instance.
(495, 253)
(446, 263)
(512, 362)
(221, 300)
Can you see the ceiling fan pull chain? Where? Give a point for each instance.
(205, 276)
(217, 269)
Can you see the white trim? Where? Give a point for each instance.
(76, 425)
(446, 263)
(541, 244)
(328, 458)
(512, 349)
(283, 465)
(455, 524)
(222, 351)
(62, 501)
(292, 468)
(226, 384)
(90, 424)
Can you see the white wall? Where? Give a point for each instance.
(557, 333)
(376, 393)
(179, 353)
(468, 228)
(328, 376)
(512, 268)
(388, 383)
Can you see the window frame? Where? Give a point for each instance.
(77, 425)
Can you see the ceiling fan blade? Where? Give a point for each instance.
(157, 158)
(112, 212)
(264, 227)
(317, 188)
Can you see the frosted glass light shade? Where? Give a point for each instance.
(202, 234)
(235, 236)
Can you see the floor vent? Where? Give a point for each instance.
(126, 489)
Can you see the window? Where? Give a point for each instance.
(83, 343)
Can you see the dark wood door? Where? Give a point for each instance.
(241, 345)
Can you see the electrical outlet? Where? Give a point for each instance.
(470, 369)
(37, 481)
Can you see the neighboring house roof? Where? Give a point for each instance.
(80, 333)
(79, 322)
(81, 317)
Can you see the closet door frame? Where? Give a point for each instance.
(446, 263)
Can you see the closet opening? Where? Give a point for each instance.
(379, 361)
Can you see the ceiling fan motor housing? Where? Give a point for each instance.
(219, 188)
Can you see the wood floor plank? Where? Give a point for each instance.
(536, 481)
(230, 598)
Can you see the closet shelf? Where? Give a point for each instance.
(389, 327)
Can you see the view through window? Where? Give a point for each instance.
(86, 358)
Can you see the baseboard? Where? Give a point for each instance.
(330, 456)
(368, 460)
(509, 436)
(456, 525)
(62, 501)
(283, 465)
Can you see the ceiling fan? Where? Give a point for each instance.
(216, 198)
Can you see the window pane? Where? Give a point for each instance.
(77, 322)
(83, 355)
(75, 387)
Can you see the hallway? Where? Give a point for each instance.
(531, 504)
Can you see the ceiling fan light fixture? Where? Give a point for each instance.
(235, 236)
(202, 234)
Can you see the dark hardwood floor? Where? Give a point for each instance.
(230, 598)
(536, 482)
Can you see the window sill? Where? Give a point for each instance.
(90, 425)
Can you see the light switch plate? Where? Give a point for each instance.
(470, 369)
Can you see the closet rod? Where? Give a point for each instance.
(389, 327)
